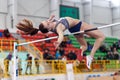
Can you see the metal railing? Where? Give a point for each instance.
(59, 66)
(7, 45)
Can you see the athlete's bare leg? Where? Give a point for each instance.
(82, 42)
(97, 34)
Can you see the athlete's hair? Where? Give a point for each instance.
(35, 31)
(42, 28)
(27, 27)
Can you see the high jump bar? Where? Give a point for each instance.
(79, 32)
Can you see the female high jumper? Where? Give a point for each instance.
(59, 26)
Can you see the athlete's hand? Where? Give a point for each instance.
(51, 18)
(56, 44)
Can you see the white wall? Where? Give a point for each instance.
(100, 14)
(3, 13)
(86, 10)
(54, 7)
(36, 10)
(116, 18)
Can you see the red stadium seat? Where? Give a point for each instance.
(52, 48)
(1, 30)
(49, 45)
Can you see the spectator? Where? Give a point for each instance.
(1, 73)
(115, 54)
(111, 48)
(64, 58)
(62, 51)
(118, 46)
(6, 62)
(104, 58)
(42, 45)
(64, 42)
(6, 33)
(1, 34)
(103, 48)
(89, 48)
(99, 58)
(29, 64)
(71, 55)
(19, 65)
(9, 57)
(36, 60)
(114, 45)
(109, 55)
(69, 41)
(57, 54)
(47, 55)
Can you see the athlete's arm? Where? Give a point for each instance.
(51, 18)
(59, 30)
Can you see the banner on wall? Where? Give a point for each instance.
(70, 11)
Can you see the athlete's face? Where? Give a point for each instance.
(47, 25)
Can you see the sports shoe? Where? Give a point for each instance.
(88, 61)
